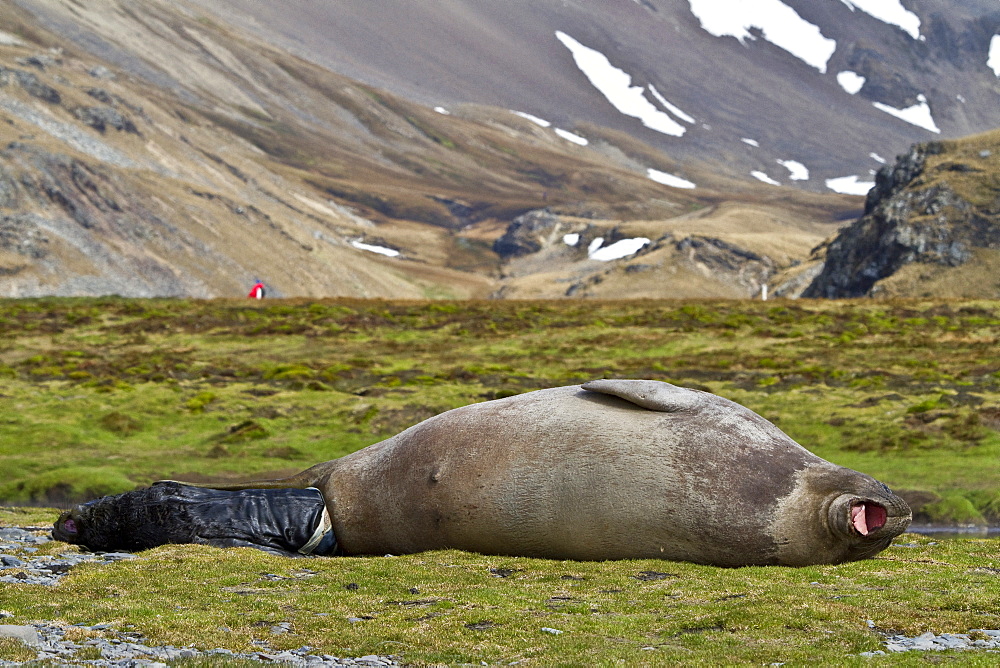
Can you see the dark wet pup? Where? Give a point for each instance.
(290, 522)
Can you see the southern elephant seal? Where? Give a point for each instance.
(612, 469)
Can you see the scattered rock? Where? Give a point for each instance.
(648, 576)
(22, 234)
(974, 639)
(124, 648)
(101, 72)
(32, 85)
(102, 118)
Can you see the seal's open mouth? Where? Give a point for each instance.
(69, 526)
(867, 516)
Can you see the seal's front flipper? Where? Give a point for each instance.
(652, 395)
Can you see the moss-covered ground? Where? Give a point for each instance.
(101, 395)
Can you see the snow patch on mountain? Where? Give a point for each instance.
(615, 251)
(780, 24)
(616, 86)
(381, 250)
(761, 176)
(534, 119)
(673, 109)
(797, 171)
(889, 11)
(668, 179)
(849, 185)
(571, 239)
(919, 114)
(994, 58)
(850, 81)
(750, 142)
(569, 136)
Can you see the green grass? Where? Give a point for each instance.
(451, 607)
(101, 395)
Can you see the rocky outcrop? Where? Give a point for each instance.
(911, 216)
(521, 237)
(722, 257)
(531, 232)
(23, 235)
(30, 82)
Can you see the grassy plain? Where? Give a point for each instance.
(101, 395)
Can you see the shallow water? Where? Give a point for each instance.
(954, 532)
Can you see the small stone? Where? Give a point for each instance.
(26, 634)
(101, 72)
(13, 533)
(995, 633)
(554, 632)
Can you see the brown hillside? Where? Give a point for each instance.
(150, 150)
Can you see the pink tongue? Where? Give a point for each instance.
(876, 516)
(69, 526)
(859, 520)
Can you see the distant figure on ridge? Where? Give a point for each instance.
(257, 291)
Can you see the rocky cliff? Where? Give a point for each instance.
(931, 226)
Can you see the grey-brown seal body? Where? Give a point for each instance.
(612, 469)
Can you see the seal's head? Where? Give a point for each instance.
(128, 521)
(837, 515)
(867, 522)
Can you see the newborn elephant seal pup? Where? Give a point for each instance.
(613, 469)
(291, 522)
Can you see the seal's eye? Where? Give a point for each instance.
(69, 526)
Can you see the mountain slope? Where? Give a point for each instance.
(189, 148)
(738, 85)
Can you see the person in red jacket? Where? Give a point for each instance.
(257, 291)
